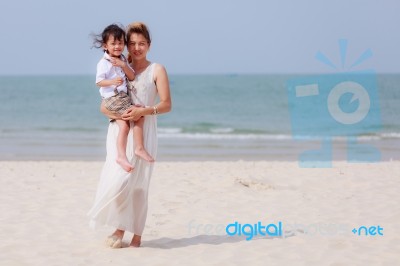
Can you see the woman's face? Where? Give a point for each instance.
(138, 46)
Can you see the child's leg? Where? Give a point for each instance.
(121, 145)
(138, 138)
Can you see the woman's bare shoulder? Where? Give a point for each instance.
(159, 71)
(158, 68)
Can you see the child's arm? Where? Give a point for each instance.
(109, 82)
(130, 74)
(101, 74)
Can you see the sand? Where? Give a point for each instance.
(44, 221)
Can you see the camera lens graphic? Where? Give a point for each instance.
(359, 93)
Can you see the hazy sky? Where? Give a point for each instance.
(208, 36)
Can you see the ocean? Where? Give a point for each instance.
(214, 117)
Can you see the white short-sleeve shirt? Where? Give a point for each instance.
(105, 70)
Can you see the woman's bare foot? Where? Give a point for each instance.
(115, 240)
(142, 153)
(123, 162)
(135, 243)
(119, 233)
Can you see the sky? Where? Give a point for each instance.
(48, 37)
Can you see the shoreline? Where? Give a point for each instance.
(197, 150)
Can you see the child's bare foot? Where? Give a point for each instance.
(135, 243)
(123, 162)
(142, 153)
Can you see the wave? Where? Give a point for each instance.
(222, 130)
(211, 133)
(169, 130)
(223, 136)
(51, 129)
(232, 134)
(391, 135)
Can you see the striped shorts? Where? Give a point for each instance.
(118, 103)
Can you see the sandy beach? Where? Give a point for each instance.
(44, 207)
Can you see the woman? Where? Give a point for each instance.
(121, 199)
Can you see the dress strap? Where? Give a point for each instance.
(151, 72)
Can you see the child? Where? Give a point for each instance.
(112, 71)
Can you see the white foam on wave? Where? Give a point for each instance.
(219, 130)
(169, 130)
(224, 136)
(391, 135)
(227, 133)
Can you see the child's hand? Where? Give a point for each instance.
(118, 81)
(117, 62)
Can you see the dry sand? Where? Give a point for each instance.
(44, 207)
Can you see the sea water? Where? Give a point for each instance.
(214, 117)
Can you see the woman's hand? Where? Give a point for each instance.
(134, 113)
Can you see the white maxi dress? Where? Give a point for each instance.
(122, 198)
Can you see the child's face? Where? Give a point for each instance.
(114, 47)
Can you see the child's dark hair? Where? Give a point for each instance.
(112, 30)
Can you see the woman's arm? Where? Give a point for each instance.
(162, 83)
(165, 104)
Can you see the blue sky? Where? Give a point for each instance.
(196, 37)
